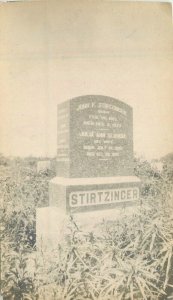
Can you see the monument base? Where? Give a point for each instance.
(75, 195)
(53, 225)
(88, 201)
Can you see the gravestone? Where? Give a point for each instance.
(94, 155)
(94, 164)
(95, 138)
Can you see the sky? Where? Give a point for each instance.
(51, 51)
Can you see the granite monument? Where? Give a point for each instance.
(94, 167)
(94, 155)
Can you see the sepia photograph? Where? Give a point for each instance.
(86, 150)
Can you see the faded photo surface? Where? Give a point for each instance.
(86, 157)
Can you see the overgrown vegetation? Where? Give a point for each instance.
(130, 259)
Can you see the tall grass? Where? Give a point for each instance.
(131, 259)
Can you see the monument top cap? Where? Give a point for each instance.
(96, 97)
